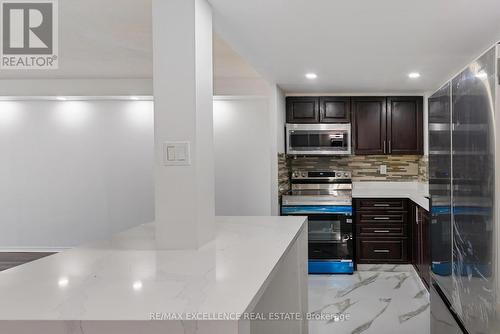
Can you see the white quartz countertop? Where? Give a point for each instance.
(126, 278)
(416, 191)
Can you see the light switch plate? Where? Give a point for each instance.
(383, 169)
(177, 153)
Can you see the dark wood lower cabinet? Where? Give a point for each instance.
(376, 250)
(388, 230)
(382, 232)
(421, 243)
(393, 230)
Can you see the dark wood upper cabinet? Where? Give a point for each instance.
(302, 109)
(334, 109)
(369, 125)
(392, 125)
(405, 125)
(328, 109)
(380, 125)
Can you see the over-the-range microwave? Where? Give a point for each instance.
(318, 139)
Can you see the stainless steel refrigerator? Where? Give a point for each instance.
(464, 179)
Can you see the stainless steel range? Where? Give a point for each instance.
(325, 197)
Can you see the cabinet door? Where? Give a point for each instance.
(405, 125)
(421, 243)
(302, 110)
(415, 236)
(425, 262)
(335, 109)
(369, 126)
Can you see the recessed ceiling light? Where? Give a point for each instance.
(61, 98)
(311, 76)
(414, 75)
(137, 285)
(63, 282)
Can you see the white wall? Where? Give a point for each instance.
(76, 171)
(76, 87)
(183, 95)
(240, 86)
(243, 163)
(73, 171)
(277, 120)
(281, 119)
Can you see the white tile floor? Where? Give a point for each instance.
(377, 299)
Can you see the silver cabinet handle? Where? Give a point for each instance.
(383, 205)
(381, 251)
(381, 218)
(384, 147)
(390, 147)
(381, 231)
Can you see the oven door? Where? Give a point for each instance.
(330, 237)
(319, 139)
(330, 230)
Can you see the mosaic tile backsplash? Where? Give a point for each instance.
(283, 174)
(363, 167)
(423, 168)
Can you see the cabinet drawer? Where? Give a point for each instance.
(381, 218)
(371, 204)
(382, 251)
(381, 231)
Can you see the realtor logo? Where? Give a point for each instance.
(29, 34)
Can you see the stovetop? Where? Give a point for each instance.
(330, 175)
(320, 188)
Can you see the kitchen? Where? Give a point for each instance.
(387, 137)
(338, 175)
(378, 200)
(356, 167)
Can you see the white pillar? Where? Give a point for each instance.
(182, 79)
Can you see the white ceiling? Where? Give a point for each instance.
(354, 46)
(229, 64)
(108, 39)
(100, 39)
(358, 46)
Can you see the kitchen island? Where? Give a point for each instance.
(255, 266)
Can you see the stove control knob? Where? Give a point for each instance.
(295, 174)
(346, 237)
(304, 174)
(346, 174)
(338, 174)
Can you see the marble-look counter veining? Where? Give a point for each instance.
(416, 191)
(126, 278)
